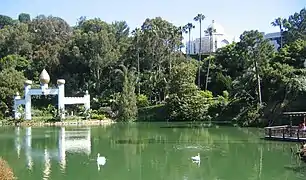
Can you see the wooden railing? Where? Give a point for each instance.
(285, 132)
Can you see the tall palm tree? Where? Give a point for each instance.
(182, 30)
(137, 33)
(187, 28)
(199, 18)
(209, 31)
(280, 23)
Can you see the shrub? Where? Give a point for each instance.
(152, 113)
(97, 115)
(6, 172)
(142, 101)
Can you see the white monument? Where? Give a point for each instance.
(218, 39)
(44, 79)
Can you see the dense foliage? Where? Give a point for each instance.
(127, 72)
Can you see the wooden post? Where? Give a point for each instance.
(298, 134)
(283, 133)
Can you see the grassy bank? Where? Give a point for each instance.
(43, 121)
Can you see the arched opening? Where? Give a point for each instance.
(224, 42)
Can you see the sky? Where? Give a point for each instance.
(235, 16)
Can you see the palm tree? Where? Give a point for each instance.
(280, 23)
(199, 18)
(187, 29)
(137, 33)
(209, 31)
(182, 30)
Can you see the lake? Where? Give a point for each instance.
(140, 151)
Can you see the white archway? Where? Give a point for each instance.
(44, 90)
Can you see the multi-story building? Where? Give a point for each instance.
(220, 39)
(274, 38)
(209, 43)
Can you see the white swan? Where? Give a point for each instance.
(101, 160)
(196, 158)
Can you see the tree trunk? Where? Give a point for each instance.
(138, 71)
(258, 83)
(200, 48)
(281, 37)
(189, 49)
(208, 66)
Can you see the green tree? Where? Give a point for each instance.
(14, 61)
(24, 18)
(11, 81)
(296, 26)
(257, 52)
(127, 105)
(293, 54)
(279, 22)
(5, 21)
(15, 39)
(186, 102)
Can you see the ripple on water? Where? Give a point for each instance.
(194, 147)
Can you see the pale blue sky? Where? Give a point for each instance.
(235, 16)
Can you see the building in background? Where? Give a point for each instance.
(220, 39)
(274, 39)
(210, 44)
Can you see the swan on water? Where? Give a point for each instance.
(196, 158)
(101, 160)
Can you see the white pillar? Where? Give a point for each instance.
(16, 105)
(27, 97)
(87, 101)
(17, 141)
(29, 136)
(28, 148)
(44, 87)
(61, 97)
(88, 140)
(47, 169)
(61, 147)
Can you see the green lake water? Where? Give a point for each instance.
(156, 151)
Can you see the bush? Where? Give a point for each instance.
(97, 115)
(142, 101)
(191, 106)
(152, 113)
(6, 172)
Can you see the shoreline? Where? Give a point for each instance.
(69, 123)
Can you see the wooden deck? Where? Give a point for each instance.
(285, 133)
